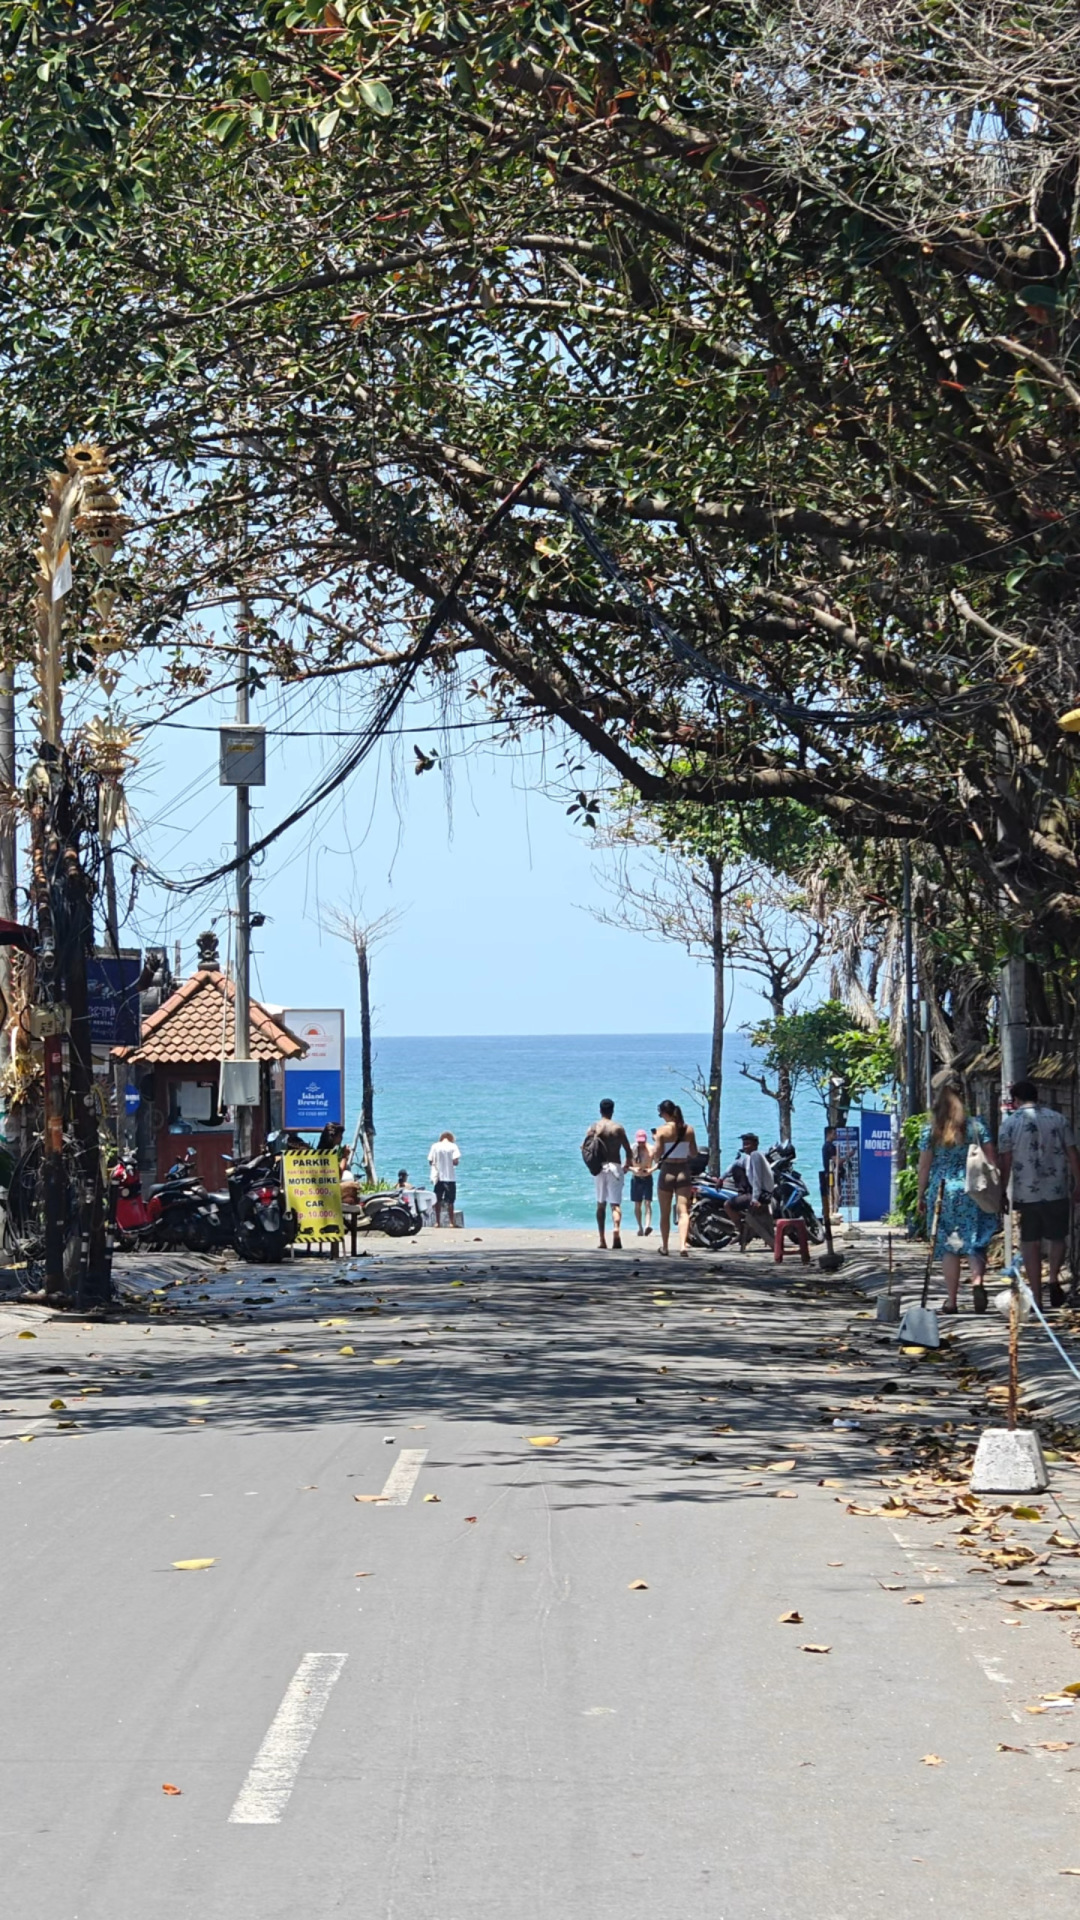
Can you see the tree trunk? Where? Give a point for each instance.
(784, 1096)
(95, 1284)
(367, 1089)
(716, 1063)
(784, 1101)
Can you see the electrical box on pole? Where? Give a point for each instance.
(243, 757)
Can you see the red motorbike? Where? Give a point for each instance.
(164, 1219)
(134, 1218)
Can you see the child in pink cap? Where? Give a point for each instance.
(641, 1182)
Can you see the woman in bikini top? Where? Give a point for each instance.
(675, 1146)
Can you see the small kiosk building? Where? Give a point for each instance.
(177, 1070)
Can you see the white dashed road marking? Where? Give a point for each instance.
(265, 1793)
(403, 1476)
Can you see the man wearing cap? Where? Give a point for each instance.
(641, 1182)
(754, 1200)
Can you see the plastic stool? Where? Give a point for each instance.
(798, 1228)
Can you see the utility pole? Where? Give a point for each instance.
(909, 988)
(243, 766)
(242, 999)
(7, 827)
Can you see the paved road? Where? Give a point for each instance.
(502, 1723)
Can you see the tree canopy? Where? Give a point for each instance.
(777, 299)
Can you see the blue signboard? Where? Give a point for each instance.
(112, 991)
(312, 1099)
(875, 1165)
(315, 1084)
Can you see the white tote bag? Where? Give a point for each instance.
(982, 1180)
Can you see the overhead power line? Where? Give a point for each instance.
(378, 721)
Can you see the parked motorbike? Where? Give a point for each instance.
(389, 1213)
(249, 1212)
(162, 1218)
(710, 1226)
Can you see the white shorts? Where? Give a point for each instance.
(608, 1183)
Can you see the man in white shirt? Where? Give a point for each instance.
(443, 1157)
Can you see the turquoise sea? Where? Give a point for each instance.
(519, 1106)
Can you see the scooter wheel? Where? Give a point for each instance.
(197, 1236)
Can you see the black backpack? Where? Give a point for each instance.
(593, 1151)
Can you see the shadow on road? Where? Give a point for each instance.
(650, 1360)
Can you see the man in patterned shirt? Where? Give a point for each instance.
(1036, 1147)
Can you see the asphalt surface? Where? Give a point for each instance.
(504, 1722)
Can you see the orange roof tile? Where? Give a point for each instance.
(186, 1028)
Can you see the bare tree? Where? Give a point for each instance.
(775, 936)
(682, 898)
(363, 936)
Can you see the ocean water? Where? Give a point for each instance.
(519, 1106)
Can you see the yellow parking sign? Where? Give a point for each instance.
(313, 1190)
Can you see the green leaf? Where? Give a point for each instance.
(1038, 296)
(376, 96)
(260, 84)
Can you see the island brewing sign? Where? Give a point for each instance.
(315, 1085)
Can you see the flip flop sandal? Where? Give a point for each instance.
(979, 1298)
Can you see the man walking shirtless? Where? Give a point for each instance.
(609, 1180)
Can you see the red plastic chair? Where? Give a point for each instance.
(798, 1228)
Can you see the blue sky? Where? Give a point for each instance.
(490, 882)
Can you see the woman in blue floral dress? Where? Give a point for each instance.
(964, 1227)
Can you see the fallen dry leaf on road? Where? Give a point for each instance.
(1069, 1869)
(792, 1619)
(543, 1440)
(470, 1519)
(167, 1787)
(349, 1350)
(57, 1406)
(363, 1576)
(1003, 1748)
(387, 1361)
(1074, 1687)
(1027, 1513)
(323, 1323)
(431, 1499)
(813, 1646)
(784, 1493)
(639, 1586)
(1047, 1605)
(24, 1335)
(1056, 1746)
(834, 1563)
(892, 1586)
(780, 1466)
(192, 1566)
(369, 1499)
(26, 1436)
(830, 1483)
(932, 1760)
(915, 1600)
